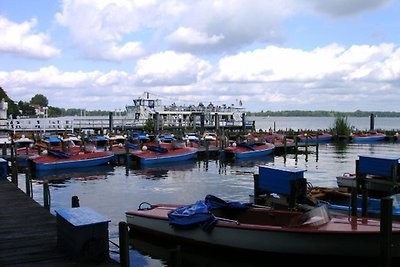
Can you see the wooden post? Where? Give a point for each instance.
(306, 148)
(353, 201)
(284, 146)
(75, 202)
(355, 190)
(46, 195)
(386, 232)
(28, 183)
(123, 244)
(296, 146)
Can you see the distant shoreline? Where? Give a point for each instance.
(319, 113)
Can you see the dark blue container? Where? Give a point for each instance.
(83, 234)
(278, 179)
(377, 164)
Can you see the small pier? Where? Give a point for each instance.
(28, 233)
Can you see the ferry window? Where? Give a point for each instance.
(151, 103)
(137, 115)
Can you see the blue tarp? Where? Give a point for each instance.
(199, 213)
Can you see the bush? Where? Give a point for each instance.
(341, 126)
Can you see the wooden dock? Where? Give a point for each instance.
(28, 233)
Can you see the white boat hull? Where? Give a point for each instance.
(344, 240)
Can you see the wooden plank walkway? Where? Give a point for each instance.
(28, 232)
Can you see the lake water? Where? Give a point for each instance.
(112, 190)
(322, 123)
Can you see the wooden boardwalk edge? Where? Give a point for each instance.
(28, 232)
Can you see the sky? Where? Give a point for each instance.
(274, 55)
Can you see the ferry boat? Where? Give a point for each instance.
(146, 107)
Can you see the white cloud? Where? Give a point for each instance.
(326, 63)
(102, 28)
(112, 52)
(208, 26)
(192, 37)
(22, 40)
(170, 68)
(69, 89)
(190, 26)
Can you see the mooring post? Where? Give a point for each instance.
(353, 201)
(284, 145)
(123, 244)
(75, 202)
(386, 232)
(28, 183)
(306, 150)
(46, 195)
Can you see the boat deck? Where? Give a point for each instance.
(28, 232)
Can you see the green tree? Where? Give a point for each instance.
(55, 112)
(341, 126)
(40, 100)
(149, 125)
(26, 109)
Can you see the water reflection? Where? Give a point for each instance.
(158, 252)
(249, 162)
(161, 170)
(60, 175)
(172, 254)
